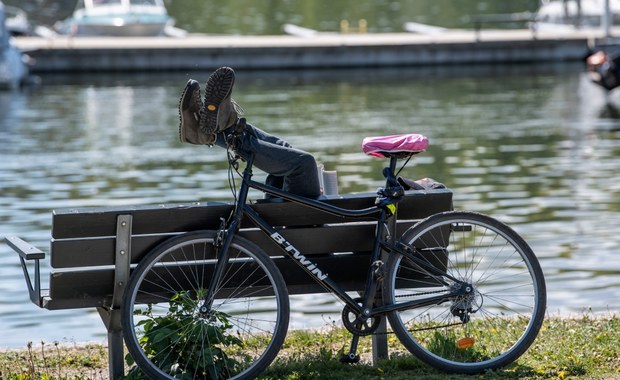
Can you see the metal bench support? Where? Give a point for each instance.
(112, 316)
(379, 340)
(28, 252)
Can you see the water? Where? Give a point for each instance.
(536, 146)
(268, 16)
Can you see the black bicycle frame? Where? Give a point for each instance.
(242, 208)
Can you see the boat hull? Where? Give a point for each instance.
(122, 30)
(119, 18)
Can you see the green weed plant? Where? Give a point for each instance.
(181, 334)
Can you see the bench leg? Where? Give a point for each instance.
(116, 354)
(379, 343)
(112, 317)
(379, 340)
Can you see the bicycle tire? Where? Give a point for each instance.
(489, 327)
(167, 335)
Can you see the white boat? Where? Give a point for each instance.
(120, 18)
(558, 15)
(13, 70)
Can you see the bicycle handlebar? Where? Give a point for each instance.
(240, 125)
(233, 139)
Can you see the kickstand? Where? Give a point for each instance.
(352, 357)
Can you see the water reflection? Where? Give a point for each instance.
(536, 146)
(268, 16)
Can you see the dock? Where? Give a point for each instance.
(323, 50)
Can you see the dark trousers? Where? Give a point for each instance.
(289, 169)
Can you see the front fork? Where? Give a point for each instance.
(222, 243)
(223, 240)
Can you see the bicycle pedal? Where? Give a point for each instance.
(350, 358)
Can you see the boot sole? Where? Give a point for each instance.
(218, 87)
(184, 104)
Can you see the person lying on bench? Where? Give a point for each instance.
(209, 123)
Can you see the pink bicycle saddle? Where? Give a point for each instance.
(387, 146)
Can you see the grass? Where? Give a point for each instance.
(577, 348)
(55, 361)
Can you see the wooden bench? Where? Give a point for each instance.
(93, 249)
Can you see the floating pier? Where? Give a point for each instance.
(322, 50)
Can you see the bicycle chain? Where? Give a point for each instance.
(421, 328)
(420, 294)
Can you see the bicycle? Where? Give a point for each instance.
(211, 304)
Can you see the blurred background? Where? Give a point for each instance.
(259, 17)
(536, 146)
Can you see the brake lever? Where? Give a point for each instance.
(233, 139)
(240, 126)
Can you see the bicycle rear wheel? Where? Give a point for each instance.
(170, 337)
(500, 308)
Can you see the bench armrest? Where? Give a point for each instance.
(27, 251)
(24, 249)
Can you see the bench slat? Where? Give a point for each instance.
(83, 243)
(311, 241)
(93, 288)
(96, 222)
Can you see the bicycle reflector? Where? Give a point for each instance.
(465, 342)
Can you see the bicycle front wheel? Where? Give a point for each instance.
(498, 292)
(171, 335)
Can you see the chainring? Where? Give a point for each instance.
(358, 324)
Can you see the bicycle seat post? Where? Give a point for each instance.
(390, 172)
(393, 161)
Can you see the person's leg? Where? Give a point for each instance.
(264, 136)
(271, 180)
(288, 168)
(296, 168)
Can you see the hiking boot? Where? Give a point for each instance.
(219, 111)
(189, 115)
